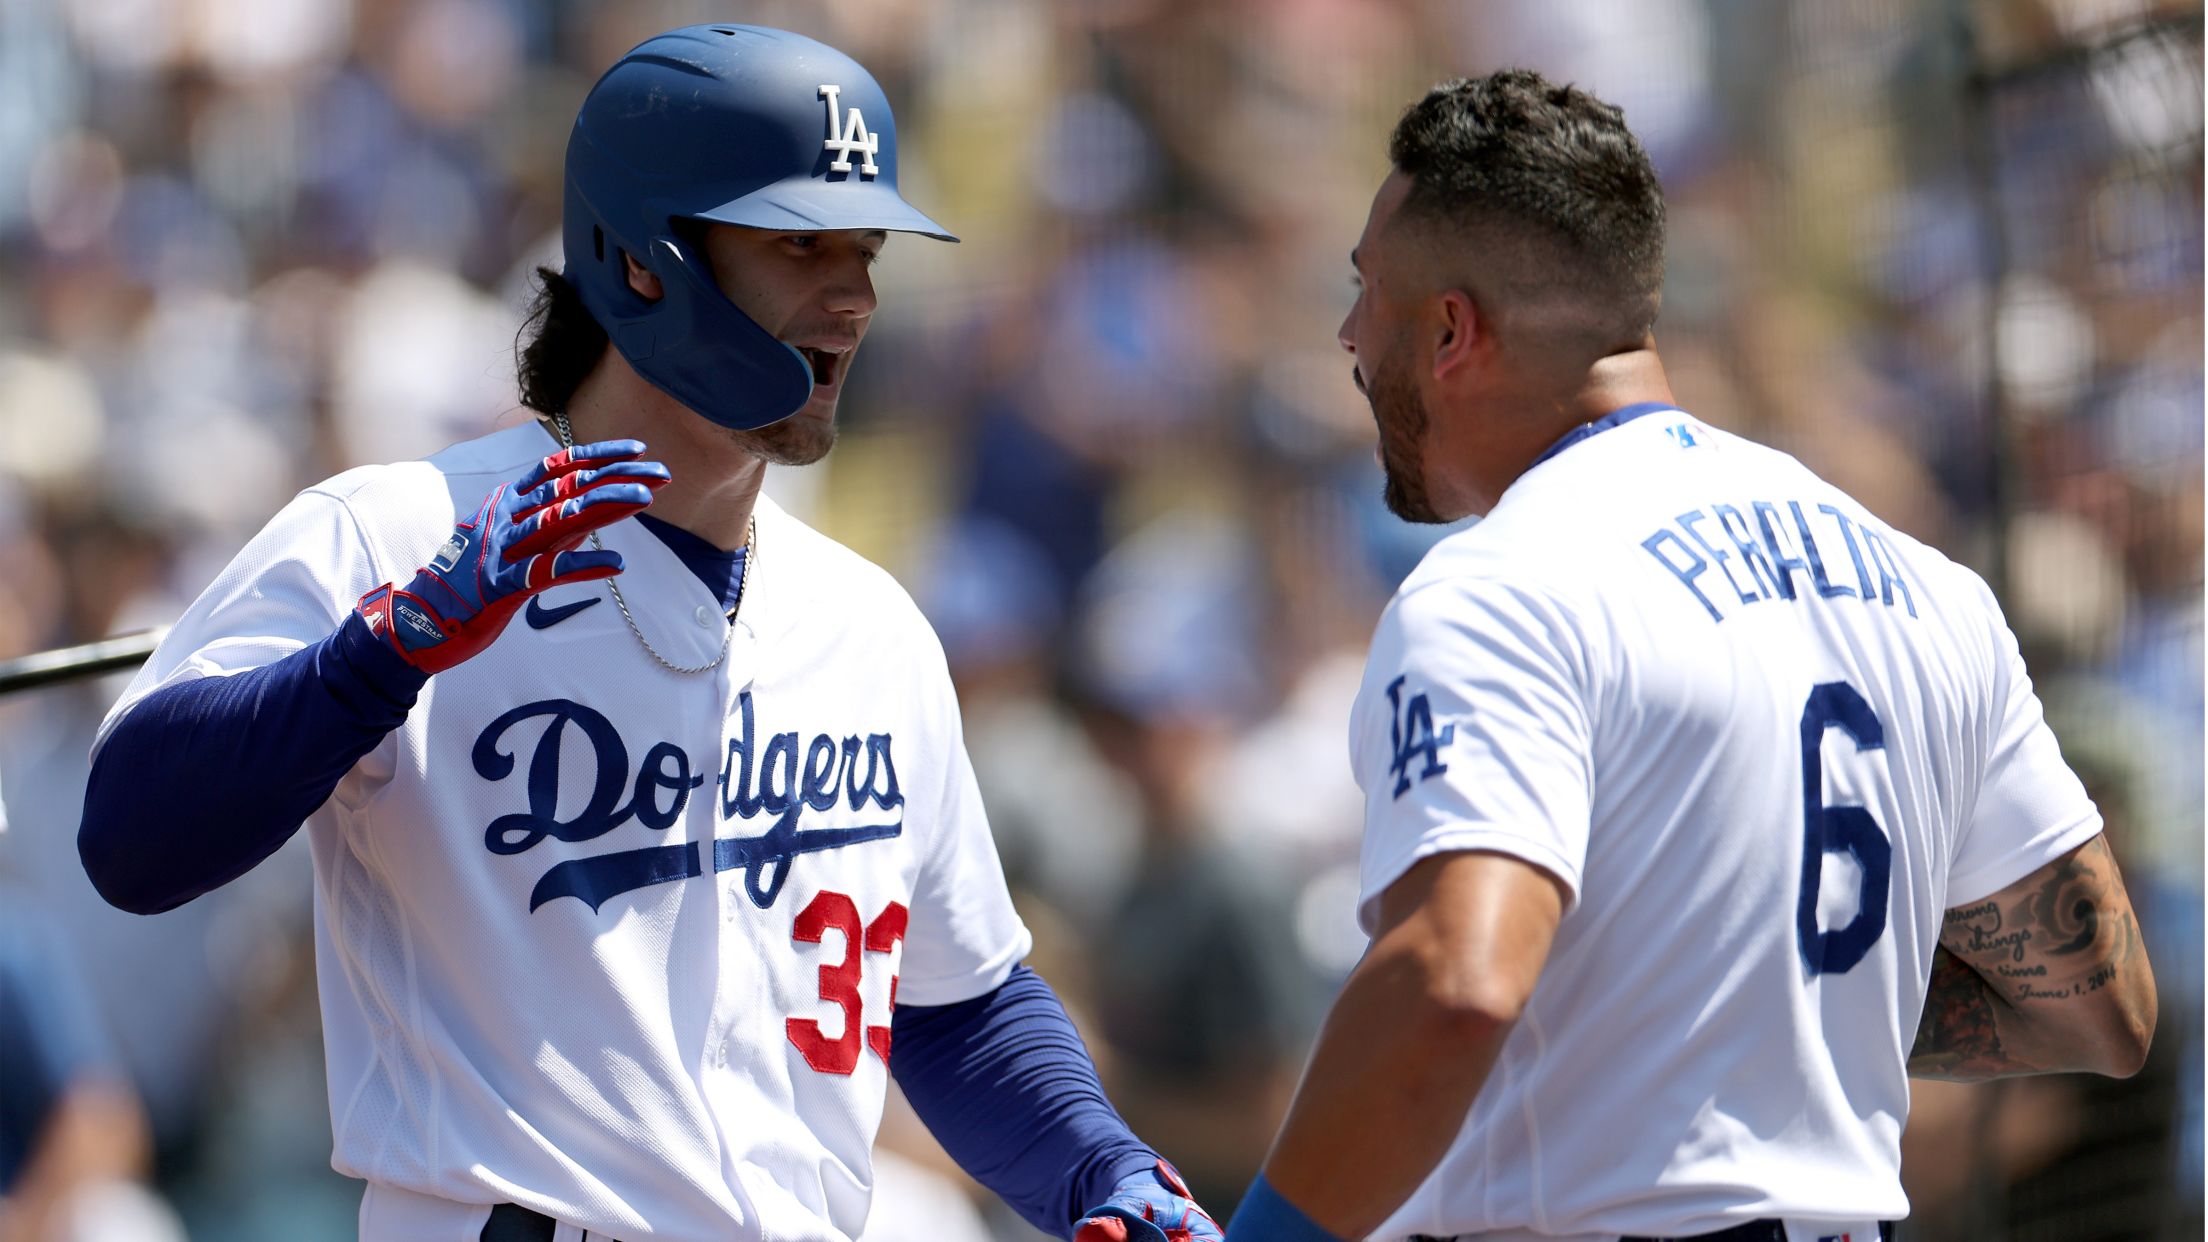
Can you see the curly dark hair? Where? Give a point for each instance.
(563, 343)
(1515, 149)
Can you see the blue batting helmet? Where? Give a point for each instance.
(734, 125)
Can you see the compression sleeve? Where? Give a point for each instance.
(244, 758)
(1004, 1082)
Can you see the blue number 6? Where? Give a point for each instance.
(1838, 829)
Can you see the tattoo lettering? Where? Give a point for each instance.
(1971, 914)
(2009, 968)
(1983, 934)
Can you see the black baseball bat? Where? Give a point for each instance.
(44, 668)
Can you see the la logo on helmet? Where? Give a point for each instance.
(848, 137)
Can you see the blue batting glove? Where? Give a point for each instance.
(523, 540)
(1151, 1206)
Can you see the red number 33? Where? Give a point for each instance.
(839, 982)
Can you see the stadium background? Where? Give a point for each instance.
(1947, 252)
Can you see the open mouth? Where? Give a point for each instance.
(826, 366)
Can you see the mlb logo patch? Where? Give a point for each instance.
(1835, 1237)
(1687, 435)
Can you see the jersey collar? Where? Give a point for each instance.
(1615, 418)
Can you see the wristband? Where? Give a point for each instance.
(1263, 1216)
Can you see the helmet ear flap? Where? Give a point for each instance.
(697, 346)
(597, 250)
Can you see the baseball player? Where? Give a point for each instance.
(1682, 771)
(631, 892)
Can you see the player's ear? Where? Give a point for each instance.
(642, 280)
(1456, 329)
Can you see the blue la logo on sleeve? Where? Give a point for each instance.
(1411, 735)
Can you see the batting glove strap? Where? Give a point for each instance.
(404, 622)
(1263, 1216)
(1152, 1206)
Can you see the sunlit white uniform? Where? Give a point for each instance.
(607, 941)
(1665, 660)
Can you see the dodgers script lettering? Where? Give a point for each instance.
(781, 777)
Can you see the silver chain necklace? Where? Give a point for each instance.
(743, 583)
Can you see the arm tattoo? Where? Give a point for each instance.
(2020, 956)
(2085, 906)
(1957, 1038)
(2082, 920)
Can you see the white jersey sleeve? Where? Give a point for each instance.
(2031, 808)
(1508, 768)
(290, 587)
(965, 936)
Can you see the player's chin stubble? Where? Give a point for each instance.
(1402, 417)
(795, 441)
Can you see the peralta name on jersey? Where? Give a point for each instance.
(1731, 556)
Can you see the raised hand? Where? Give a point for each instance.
(523, 540)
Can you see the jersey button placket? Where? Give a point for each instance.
(740, 988)
(727, 899)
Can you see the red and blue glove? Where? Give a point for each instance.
(1151, 1206)
(522, 541)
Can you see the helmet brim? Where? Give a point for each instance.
(799, 206)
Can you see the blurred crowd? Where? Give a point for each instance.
(1950, 253)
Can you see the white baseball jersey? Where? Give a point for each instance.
(1765, 741)
(611, 942)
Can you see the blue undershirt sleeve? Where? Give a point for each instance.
(1004, 1082)
(240, 761)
